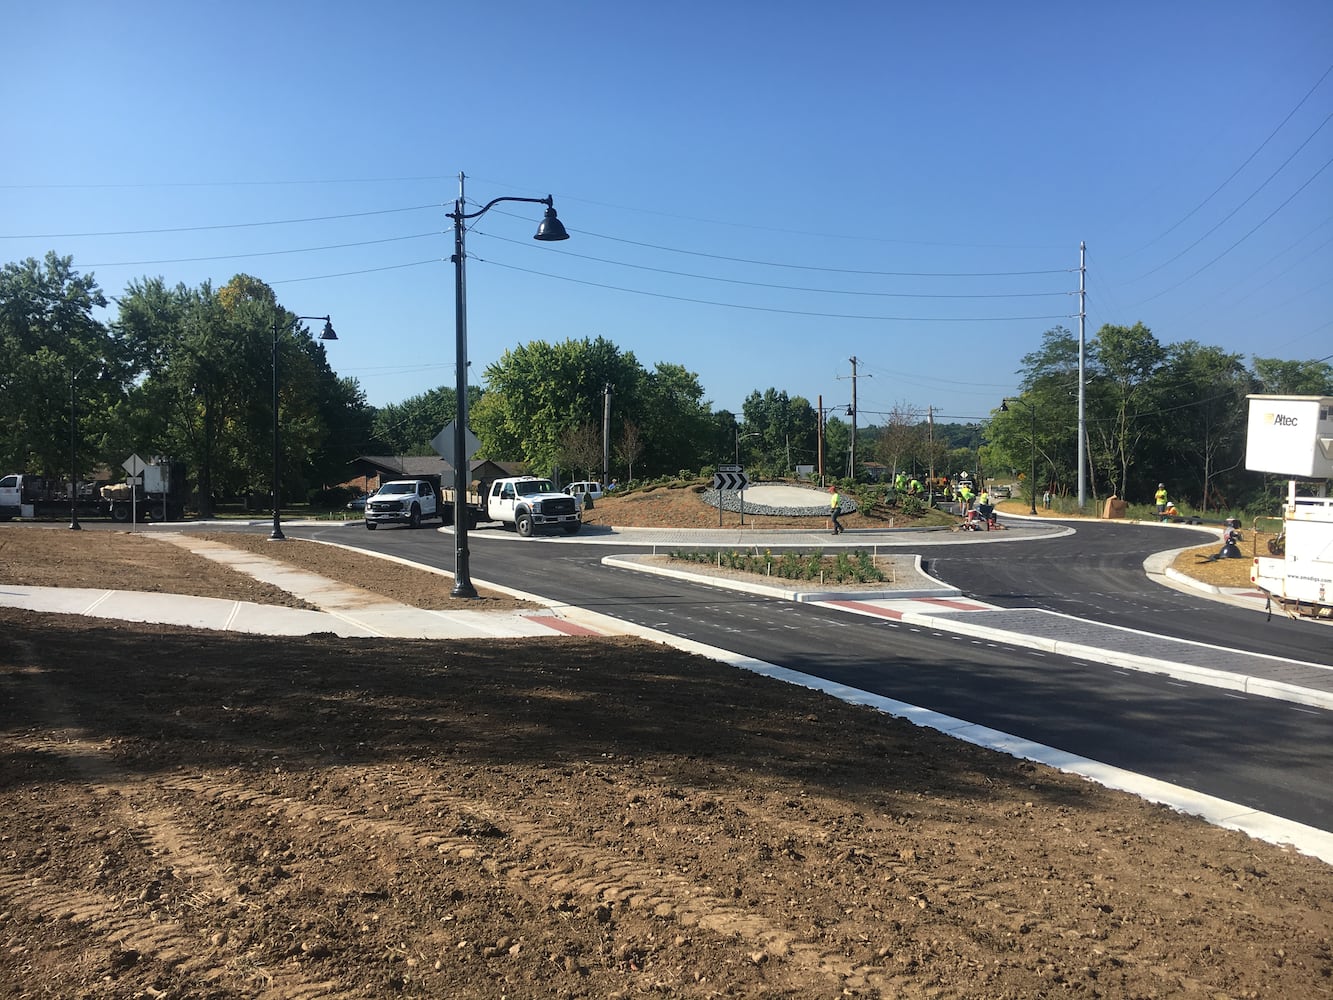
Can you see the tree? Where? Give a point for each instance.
(52, 349)
(1127, 360)
(581, 448)
(1205, 432)
(899, 437)
(1293, 378)
(629, 447)
(672, 415)
(207, 396)
(787, 426)
(837, 448)
(536, 392)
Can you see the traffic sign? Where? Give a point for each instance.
(730, 481)
(730, 468)
(134, 465)
(443, 443)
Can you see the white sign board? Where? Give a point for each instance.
(1290, 436)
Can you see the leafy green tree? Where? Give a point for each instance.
(1293, 378)
(787, 426)
(535, 392)
(52, 349)
(1204, 416)
(837, 447)
(672, 416)
(207, 396)
(1128, 403)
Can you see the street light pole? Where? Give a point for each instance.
(550, 230)
(1032, 480)
(73, 471)
(327, 334)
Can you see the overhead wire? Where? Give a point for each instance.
(788, 288)
(1232, 176)
(202, 229)
(769, 309)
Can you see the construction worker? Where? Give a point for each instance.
(1160, 498)
(966, 495)
(835, 508)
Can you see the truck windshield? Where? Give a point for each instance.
(532, 486)
(392, 488)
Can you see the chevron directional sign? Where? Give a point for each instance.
(732, 481)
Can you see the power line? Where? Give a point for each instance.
(789, 288)
(1226, 218)
(265, 253)
(232, 225)
(1234, 173)
(770, 309)
(812, 267)
(1257, 226)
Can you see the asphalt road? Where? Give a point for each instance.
(1266, 754)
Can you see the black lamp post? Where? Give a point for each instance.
(1032, 482)
(327, 334)
(73, 471)
(550, 230)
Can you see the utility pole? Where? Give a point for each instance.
(1082, 402)
(851, 460)
(819, 436)
(930, 453)
(606, 433)
(851, 412)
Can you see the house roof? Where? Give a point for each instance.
(410, 466)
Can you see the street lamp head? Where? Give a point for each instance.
(552, 229)
(328, 333)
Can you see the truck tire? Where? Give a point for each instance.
(523, 525)
(414, 517)
(370, 525)
(573, 528)
(120, 513)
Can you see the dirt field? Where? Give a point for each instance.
(207, 815)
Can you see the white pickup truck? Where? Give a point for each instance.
(530, 505)
(526, 504)
(405, 501)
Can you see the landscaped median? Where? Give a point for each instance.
(899, 575)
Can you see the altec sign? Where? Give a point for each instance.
(1291, 436)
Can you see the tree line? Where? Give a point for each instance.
(1153, 412)
(187, 373)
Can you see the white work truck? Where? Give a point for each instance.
(1293, 436)
(527, 504)
(405, 501)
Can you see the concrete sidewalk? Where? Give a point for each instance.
(344, 610)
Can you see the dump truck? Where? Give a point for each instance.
(1293, 436)
(526, 504)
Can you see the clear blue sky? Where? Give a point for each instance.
(756, 191)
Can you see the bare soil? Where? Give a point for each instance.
(214, 815)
